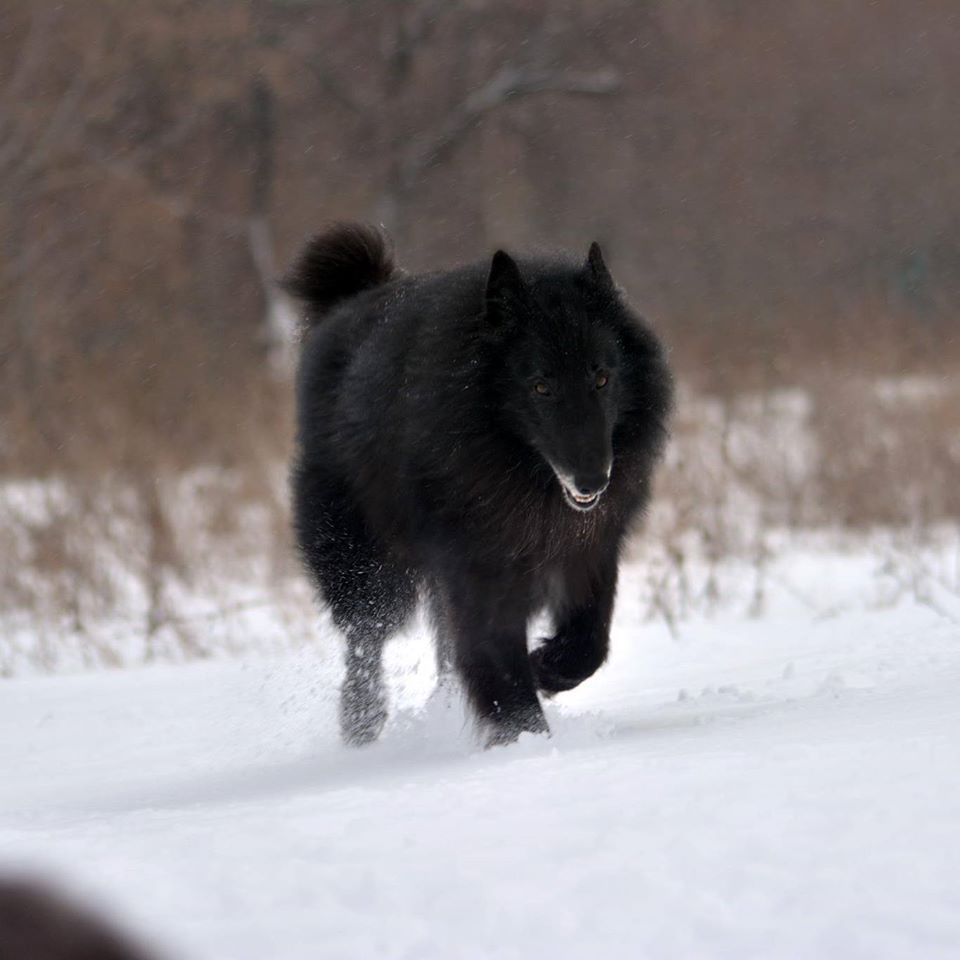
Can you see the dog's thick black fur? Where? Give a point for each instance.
(483, 435)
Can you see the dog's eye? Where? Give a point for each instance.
(541, 389)
(602, 380)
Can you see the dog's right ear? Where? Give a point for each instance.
(597, 269)
(505, 292)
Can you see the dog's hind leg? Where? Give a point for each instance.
(363, 708)
(369, 592)
(443, 626)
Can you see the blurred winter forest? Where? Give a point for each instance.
(776, 184)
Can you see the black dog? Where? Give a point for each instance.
(485, 434)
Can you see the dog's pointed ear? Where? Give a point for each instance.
(505, 290)
(597, 270)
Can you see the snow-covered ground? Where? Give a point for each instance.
(777, 785)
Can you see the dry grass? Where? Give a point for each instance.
(130, 476)
(148, 519)
(889, 451)
(844, 452)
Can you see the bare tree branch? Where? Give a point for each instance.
(63, 117)
(332, 86)
(280, 322)
(176, 204)
(509, 83)
(416, 24)
(304, 48)
(26, 259)
(41, 17)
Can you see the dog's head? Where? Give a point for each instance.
(573, 365)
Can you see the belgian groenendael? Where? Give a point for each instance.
(481, 436)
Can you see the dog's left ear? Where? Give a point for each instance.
(504, 294)
(597, 270)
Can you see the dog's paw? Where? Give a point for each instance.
(555, 669)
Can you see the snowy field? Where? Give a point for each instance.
(775, 783)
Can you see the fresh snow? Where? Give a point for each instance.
(781, 782)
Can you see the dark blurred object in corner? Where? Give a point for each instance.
(37, 923)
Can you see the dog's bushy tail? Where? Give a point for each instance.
(337, 264)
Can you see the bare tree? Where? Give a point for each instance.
(280, 317)
(415, 149)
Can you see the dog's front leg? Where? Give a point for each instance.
(489, 641)
(580, 646)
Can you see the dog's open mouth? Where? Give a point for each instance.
(574, 498)
(578, 501)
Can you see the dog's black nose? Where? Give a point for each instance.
(590, 484)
